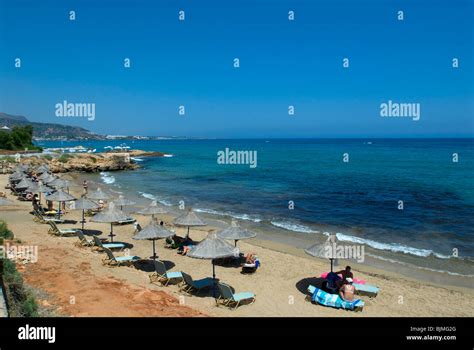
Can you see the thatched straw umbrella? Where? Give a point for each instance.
(212, 248)
(236, 232)
(60, 197)
(110, 215)
(325, 250)
(189, 219)
(153, 231)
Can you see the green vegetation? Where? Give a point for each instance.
(21, 302)
(19, 139)
(93, 159)
(64, 158)
(48, 157)
(5, 233)
(8, 159)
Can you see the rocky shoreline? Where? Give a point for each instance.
(79, 162)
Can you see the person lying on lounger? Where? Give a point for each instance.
(185, 249)
(250, 258)
(251, 264)
(347, 290)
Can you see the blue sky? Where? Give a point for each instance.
(283, 63)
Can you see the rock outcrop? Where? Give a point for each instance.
(80, 162)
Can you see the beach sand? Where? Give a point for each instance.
(77, 284)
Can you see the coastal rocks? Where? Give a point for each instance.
(88, 163)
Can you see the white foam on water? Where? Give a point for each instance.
(107, 178)
(246, 217)
(147, 196)
(393, 261)
(164, 202)
(168, 155)
(154, 198)
(393, 247)
(293, 227)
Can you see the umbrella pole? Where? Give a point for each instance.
(83, 220)
(111, 232)
(331, 264)
(187, 235)
(59, 210)
(154, 252)
(214, 280)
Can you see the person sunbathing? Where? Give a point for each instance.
(251, 264)
(250, 258)
(185, 249)
(347, 290)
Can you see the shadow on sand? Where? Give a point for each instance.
(303, 284)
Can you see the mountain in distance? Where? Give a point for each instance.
(49, 131)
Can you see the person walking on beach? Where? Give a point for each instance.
(85, 187)
(35, 203)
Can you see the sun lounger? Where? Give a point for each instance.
(44, 220)
(231, 300)
(333, 300)
(55, 230)
(102, 246)
(192, 285)
(162, 276)
(112, 260)
(126, 222)
(366, 289)
(83, 241)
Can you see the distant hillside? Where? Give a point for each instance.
(49, 130)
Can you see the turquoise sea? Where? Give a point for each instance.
(358, 199)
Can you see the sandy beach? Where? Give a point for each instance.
(77, 284)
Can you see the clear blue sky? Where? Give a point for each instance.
(282, 63)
